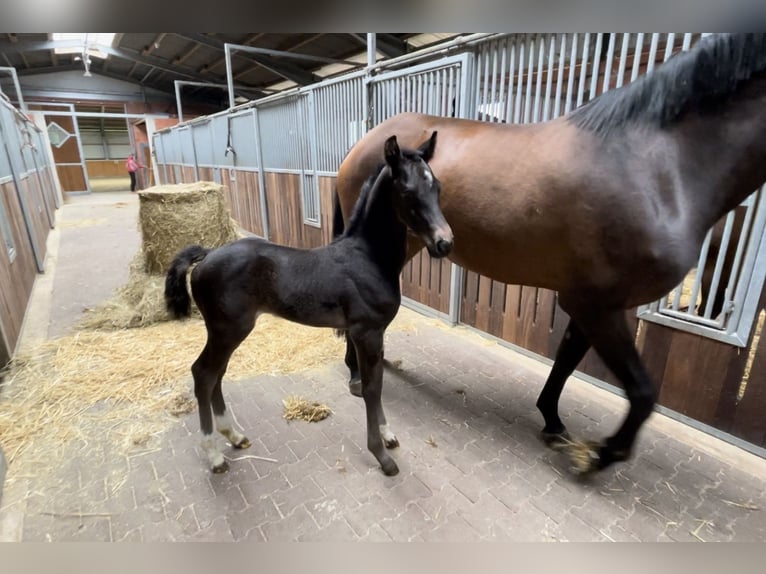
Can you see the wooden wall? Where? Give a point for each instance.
(17, 276)
(106, 168)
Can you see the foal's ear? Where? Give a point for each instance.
(426, 150)
(391, 152)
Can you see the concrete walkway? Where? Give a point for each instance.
(472, 466)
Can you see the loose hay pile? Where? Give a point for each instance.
(298, 408)
(120, 388)
(171, 217)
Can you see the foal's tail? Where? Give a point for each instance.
(176, 294)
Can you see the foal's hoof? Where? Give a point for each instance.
(221, 468)
(392, 442)
(244, 443)
(355, 387)
(556, 441)
(389, 468)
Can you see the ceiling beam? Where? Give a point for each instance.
(130, 55)
(286, 70)
(50, 69)
(152, 45)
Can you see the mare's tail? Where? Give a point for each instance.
(176, 294)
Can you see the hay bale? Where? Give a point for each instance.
(171, 217)
(175, 216)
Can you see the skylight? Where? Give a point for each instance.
(76, 41)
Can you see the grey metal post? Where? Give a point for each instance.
(179, 110)
(229, 74)
(261, 178)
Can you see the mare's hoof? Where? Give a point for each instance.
(390, 468)
(585, 457)
(556, 441)
(221, 468)
(244, 443)
(355, 387)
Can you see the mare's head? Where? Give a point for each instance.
(416, 194)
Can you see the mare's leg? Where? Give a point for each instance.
(208, 371)
(571, 350)
(369, 345)
(608, 332)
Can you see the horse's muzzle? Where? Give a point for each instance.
(440, 244)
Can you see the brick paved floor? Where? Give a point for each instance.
(472, 466)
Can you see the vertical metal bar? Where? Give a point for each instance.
(229, 74)
(596, 66)
(539, 81)
(623, 59)
(560, 78)
(450, 90)
(179, 108)
(652, 52)
(549, 79)
(371, 48)
(572, 73)
(669, 45)
(255, 112)
(719, 264)
(687, 42)
(520, 82)
(583, 70)
(493, 102)
(609, 59)
(79, 148)
(735, 268)
(510, 106)
(501, 83)
(530, 71)
(637, 58)
(698, 278)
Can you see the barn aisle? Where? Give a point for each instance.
(472, 466)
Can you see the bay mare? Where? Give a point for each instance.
(350, 285)
(607, 205)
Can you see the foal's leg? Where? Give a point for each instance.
(355, 379)
(571, 350)
(224, 421)
(352, 362)
(369, 346)
(208, 371)
(608, 332)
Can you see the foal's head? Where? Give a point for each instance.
(416, 196)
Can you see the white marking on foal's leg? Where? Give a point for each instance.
(225, 425)
(389, 438)
(214, 456)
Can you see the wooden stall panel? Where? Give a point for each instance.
(283, 200)
(427, 281)
(18, 276)
(35, 203)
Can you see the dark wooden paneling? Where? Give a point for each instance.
(283, 202)
(72, 177)
(33, 198)
(16, 277)
(244, 199)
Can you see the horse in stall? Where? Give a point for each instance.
(351, 285)
(608, 205)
